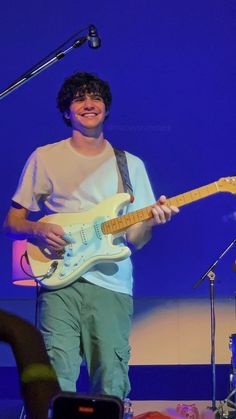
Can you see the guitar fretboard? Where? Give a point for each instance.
(121, 223)
(194, 195)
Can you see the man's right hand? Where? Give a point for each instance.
(51, 234)
(19, 227)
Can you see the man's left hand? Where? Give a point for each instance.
(162, 212)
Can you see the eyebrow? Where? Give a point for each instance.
(82, 94)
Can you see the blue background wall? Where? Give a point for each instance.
(172, 69)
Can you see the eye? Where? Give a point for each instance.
(97, 97)
(78, 99)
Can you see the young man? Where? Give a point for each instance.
(91, 317)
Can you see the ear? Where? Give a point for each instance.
(66, 114)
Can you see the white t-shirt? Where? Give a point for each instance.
(56, 178)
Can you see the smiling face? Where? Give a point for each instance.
(84, 101)
(87, 112)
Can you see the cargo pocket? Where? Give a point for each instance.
(48, 342)
(121, 369)
(123, 353)
(54, 354)
(48, 338)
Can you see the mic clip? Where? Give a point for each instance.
(80, 41)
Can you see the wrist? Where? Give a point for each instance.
(35, 228)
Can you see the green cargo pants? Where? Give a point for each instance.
(84, 320)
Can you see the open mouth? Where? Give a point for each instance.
(89, 115)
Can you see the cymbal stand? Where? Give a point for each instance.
(211, 275)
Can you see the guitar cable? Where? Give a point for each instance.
(40, 278)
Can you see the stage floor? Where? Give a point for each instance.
(12, 409)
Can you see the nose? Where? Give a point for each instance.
(88, 103)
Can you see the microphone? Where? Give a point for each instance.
(93, 39)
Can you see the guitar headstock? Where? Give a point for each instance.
(227, 184)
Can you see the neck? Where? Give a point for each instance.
(87, 144)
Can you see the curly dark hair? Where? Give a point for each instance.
(81, 83)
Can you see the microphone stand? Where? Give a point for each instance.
(211, 275)
(32, 72)
(42, 66)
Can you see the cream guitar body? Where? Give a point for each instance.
(89, 245)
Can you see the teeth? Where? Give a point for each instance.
(89, 114)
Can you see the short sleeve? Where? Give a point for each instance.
(33, 185)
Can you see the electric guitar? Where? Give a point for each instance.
(92, 234)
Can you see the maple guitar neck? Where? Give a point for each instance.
(121, 223)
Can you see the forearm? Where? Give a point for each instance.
(17, 226)
(139, 234)
(17, 332)
(38, 380)
(21, 228)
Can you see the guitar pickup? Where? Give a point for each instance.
(83, 236)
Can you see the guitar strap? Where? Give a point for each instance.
(124, 170)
